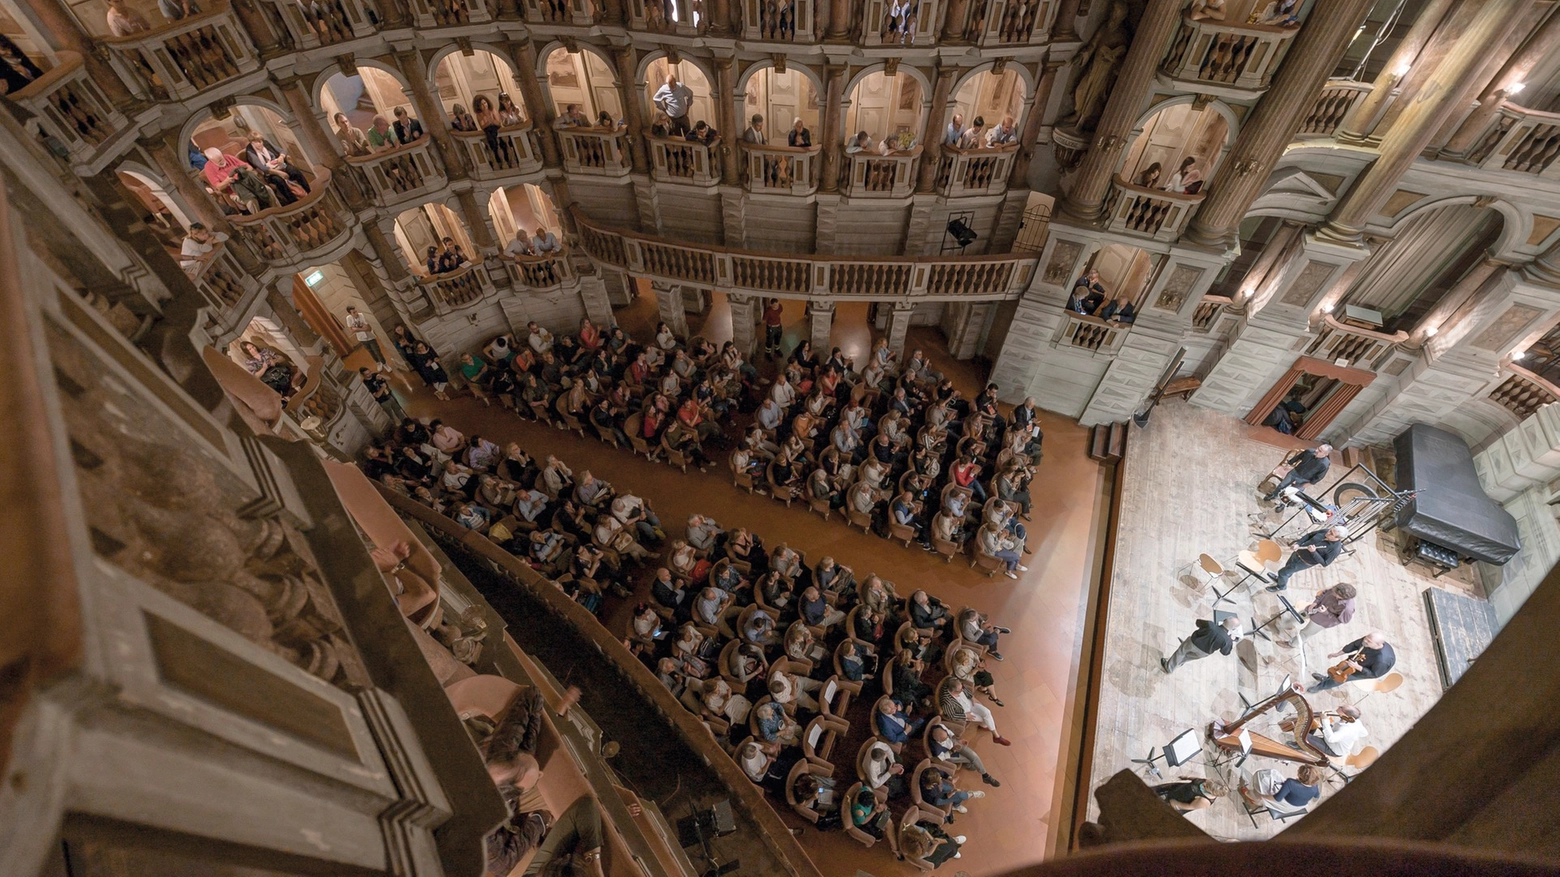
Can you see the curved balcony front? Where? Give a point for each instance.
(400, 174)
(975, 171)
(766, 22)
(226, 287)
(515, 156)
(292, 236)
(870, 175)
(595, 152)
(456, 289)
(1225, 58)
(321, 22)
(675, 160)
(1521, 140)
(780, 169)
(187, 58)
(1150, 213)
(73, 110)
(538, 273)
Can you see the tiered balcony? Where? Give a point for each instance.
(321, 22)
(781, 169)
(875, 24)
(881, 176)
(761, 23)
(186, 58)
(1149, 213)
(595, 152)
(1091, 334)
(294, 234)
(1523, 393)
(1208, 312)
(1332, 106)
(674, 160)
(1356, 347)
(457, 289)
(516, 153)
(1521, 140)
(975, 171)
(1016, 23)
(579, 13)
(656, 16)
(449, 13)
(538, 272)
(400, 174)
(71, 108)
(1239, 57)
(226, 287)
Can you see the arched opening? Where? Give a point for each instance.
(1404, 279)
(583, 82)
(251, 160)
(266, 351)
(460, 80)
(886, 108)
(702, 108)
(782, 98)
(433, 240)
(523, 208)
(1114, 277)
(166, 219)
(1158, 156)
(363, 98)
(994, 101)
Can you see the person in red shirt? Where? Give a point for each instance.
(654, 417)
(773, 311)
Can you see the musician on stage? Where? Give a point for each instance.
(1338, 734)
(1369, 657)
(1331, 608)
(1316, 548)
(1306, 468)
(1204, 641)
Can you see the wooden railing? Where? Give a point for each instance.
(978, 278)
(1151, 213)
(871, 175)
(307, 228)
(1093, 334)
(187, 57)
(1521, 140)
(1015, 22)
(398, 174)
(975, 171)
(762, 21)
(594, 151)
(449, 13)
(322, 22)
(1358, 348)
(1208, 311)
(516, 153)
(675, 160)
(1241, 56)
(1523, 393)
(781, 169)
(72, 108)
(580, 13)
(456, 289)
(538, 272)
(875, 24)
(1332, 106)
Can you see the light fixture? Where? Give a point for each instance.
(1515, 88)
(1327, 308)
(1519, 356)
(1430, 332)
(1401, 70)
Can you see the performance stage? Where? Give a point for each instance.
(1189, 488)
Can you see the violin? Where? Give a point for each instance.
(1347, 667)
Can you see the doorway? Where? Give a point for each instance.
(1308, 397)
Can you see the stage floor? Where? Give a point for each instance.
(1189, 488)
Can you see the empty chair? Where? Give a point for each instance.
(819, 737)
(482, 695)
(946, 549)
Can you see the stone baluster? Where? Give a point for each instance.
(258, 27)
(1086, 200)
(726, 117)
(537, 108)
(1019, 176)
(931, 135)
(63, 32)
(834, 94)
(839, 19)
(720, 24)
(1538, 47)
(954, 14)
(1413, 129)
(610, 12)
(431, 112)
(1272, 125)
(1062, 29)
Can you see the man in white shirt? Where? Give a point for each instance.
(954, 131)
(545, 242)
(540, 339)
(1340, 734)
(674, 99)
(520, 246)
(702, 532)
(1002, 134)
(363, 331)
(198, 247)
(633, 512)
(881, 766)
(782, 392)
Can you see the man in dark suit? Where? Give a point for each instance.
(1306, 468)
(1317, 548)
(1087, 294)
(267, 159)
(1204, 641)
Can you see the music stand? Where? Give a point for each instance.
(1289, 608)
(1177, 752)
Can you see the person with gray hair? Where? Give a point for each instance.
(1305, 468)
(1317, 548)
(1204, 641)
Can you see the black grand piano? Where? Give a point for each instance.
(1452, 519)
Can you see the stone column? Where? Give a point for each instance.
(1538, 46)
(311, 127)
(1362, 119)
(431, 113)
(743, 317)
(898, 326)
(302, 333)
(839, 19)
(259, 29)
(931, 135)
(389, 256)
(1447, 309)
(669, 302)
(726, 117)
(1062, 29)
(833, 146)
(477, 222)
(63, 32)
(624, 59)
(720, 19)
(1272, 125)
(181, 178)
(537, 107)
(1418, 123)
(1086, 199)
(1033, 123)
(954, 13)
(821, 326)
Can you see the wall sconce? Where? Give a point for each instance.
(1402, 69)
(1245, 167)
(1515, 89)
(1327, 308)
(1110, 143)
(1430, 332)
(1519, 356)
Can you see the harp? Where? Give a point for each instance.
(1300, 750)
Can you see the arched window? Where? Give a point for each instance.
(433, 239)
(782, 98)
(368, 103)
(1158, 157)
(886, 107)
(703, 106)
(997, 102)
(459, 80)
(583, 81)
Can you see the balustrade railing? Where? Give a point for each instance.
(316, 407)
(975, 171)
(682, 161)
(1208, 311)
(786, 21)
(449, 13)
(307, 228)
(594, 151)
(516, 154)
(1332, 106)
(781, 169)
(224, 284)
(1093, 334)
(322, 22)
(1242, 56)
(1151, 213)
(983, 278)
(458, 288)
(918, 28)
(401, 173)
(72, 108)
(187, 57)
(1523, 393)
(1353, 346)
(1012, 22)
(881, 176)
(538, 272)
(1521, 140)
(580, 13)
